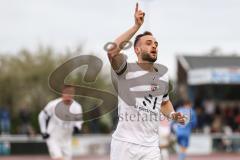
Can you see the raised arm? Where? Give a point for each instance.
(116, 59)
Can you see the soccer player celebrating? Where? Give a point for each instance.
(57, 132)
(138, 138)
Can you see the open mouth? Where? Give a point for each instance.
(154, 52)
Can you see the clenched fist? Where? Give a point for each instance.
(179, 117)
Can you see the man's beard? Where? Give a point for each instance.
(147, 57)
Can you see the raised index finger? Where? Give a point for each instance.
(136, 9)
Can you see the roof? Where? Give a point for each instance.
(196, 62)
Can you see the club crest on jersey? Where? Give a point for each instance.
(154, 87)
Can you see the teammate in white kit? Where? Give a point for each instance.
(164, 138)
(136, 136)
(58, 133)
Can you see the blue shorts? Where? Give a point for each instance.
(183, 140)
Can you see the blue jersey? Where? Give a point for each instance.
(4, 115)
(191, 123)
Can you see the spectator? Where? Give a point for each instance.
(209, 108)
(237, 119)
(95, 123)
(4, 121)
(25, 122)
(217, 124)
(201, 118)
(183, 132)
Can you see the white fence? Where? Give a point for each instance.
(100, 144)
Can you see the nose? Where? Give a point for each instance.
(154, 46)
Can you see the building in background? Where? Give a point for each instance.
(209, 77)
(213, 83)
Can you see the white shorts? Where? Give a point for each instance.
(121, 150)
(59, 150)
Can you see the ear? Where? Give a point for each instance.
(137, 50)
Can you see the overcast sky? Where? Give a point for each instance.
(180, 26)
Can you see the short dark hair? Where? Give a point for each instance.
(146, 33)
(187, 102)
(66, 86)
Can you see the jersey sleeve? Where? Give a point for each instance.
(165, 97)
(122, 69)
(49, 108)
(44, 116)
(166, 93)
(78, 110)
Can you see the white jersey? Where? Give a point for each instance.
(57, 128)
(139, 123)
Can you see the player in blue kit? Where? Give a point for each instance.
(183, 132)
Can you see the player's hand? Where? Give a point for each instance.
(45, 136)
(139, 16)
(76, 130)
(179, 117)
